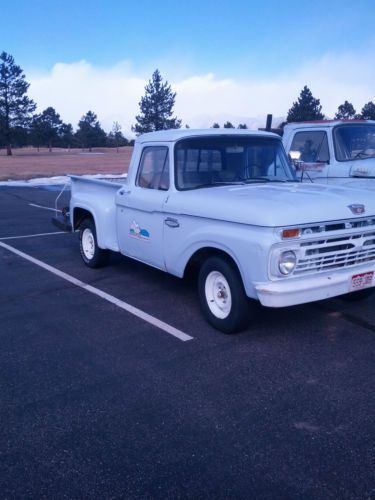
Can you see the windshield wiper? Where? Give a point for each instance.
(362, 154)
(265, 179)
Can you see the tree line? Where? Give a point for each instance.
(308, 108)
(20, 126)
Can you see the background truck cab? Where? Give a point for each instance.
(333, 151)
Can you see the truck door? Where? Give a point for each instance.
(311, 148)
(139, 208)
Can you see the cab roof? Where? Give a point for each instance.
(173, 135)
(328, 123)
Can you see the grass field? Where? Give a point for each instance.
(28, 163)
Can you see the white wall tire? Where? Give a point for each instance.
(91, 254)
(222, 296)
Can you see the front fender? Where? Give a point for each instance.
(247, 246)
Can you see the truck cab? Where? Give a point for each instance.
(333, 151)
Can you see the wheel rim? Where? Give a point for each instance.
(218, 296)
(88, 244)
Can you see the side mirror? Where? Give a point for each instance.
(299, 165)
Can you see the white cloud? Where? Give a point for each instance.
(114, 93)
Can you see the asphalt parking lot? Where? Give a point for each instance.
(98, 402)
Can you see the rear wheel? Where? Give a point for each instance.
(222, 296)
(91, 254)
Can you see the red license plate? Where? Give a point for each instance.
(363, 280)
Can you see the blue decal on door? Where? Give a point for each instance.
(137, 232)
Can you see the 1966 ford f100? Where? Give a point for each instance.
(228, 203)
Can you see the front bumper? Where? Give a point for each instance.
(301, 290)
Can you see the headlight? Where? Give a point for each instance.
(287, 262)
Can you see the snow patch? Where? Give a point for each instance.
(53, 181)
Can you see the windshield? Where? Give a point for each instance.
(354, 142)
(221, 160)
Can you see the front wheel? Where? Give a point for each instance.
(222, 296)
(91, 254)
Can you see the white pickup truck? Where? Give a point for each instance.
(333, 151)
(227, 203)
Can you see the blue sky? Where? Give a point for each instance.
(245, 43)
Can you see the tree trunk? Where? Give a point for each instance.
(9, 150)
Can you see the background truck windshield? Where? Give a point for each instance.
(354, 142)
(211, 161)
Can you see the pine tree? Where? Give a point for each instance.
(66, 135)
(306, 108)
(156, 107)
(49, 123)
(345, 111)
(15, 106)
(215, 125)
(228, 125)
(90, 133)
(242, 126)
(36, 131)
(368, 111)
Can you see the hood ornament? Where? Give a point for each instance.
(357, 208)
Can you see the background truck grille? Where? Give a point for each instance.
(324, 254)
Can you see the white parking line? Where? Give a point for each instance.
(45, 208)
(105, 296)
(31, 235)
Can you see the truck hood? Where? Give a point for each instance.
(273, 204)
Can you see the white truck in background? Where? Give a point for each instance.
(340, 152)
(227, 204)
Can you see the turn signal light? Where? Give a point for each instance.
(291, 233)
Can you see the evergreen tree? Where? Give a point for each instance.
(49, 123)
(215, 125)
(89, 133)
(15, 106)
(20, 136)
(228, 125)
(345, 111)
(156, 107)
(368, 111)
(242, 126)
(66, 136)
(306, 108)
(2, 131)
(36, 131)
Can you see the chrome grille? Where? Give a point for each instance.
(324, 254)
(324, 227)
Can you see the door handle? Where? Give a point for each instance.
(169, 221)
(124, 191)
